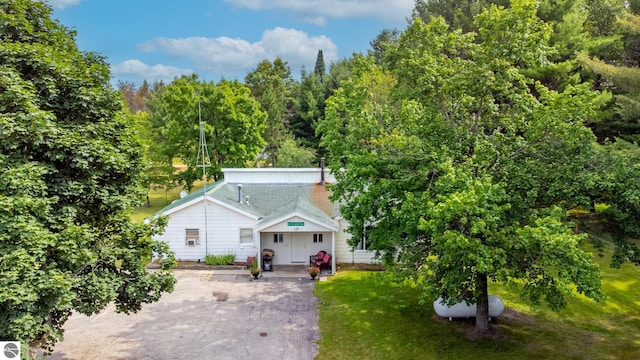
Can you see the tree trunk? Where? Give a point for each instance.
(482, 305)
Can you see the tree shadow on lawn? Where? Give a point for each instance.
(372, 317)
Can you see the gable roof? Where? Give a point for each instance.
(191, 198)
(303, 208)
(267, 203)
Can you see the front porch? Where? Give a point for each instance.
(293, 240)
(292, 271)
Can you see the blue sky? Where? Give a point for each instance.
(162, 39)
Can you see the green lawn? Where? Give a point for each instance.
(158, 198)
(363, 315)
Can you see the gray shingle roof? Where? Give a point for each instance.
(271, 201)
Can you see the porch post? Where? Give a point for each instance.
(333, 252)
(259, 252)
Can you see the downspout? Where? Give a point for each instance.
(322, 171)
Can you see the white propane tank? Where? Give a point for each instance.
(464, 310)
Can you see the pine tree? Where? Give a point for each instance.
(320, 68)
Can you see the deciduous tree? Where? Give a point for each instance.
(459, 167)
(232, 122)
(70, 171)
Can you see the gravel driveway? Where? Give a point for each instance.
(210, 315)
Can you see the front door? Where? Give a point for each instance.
(298, 248)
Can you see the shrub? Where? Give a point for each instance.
(223, 259)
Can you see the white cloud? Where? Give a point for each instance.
(235, 56)
(388, 10)
(61, 4)
(138, 71)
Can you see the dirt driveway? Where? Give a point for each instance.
(210, 315)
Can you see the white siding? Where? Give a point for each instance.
(284, 252)
(283, 226)
(345, 254)
(224, 224)
(222, 235)
(276, 176)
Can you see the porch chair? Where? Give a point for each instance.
(313, 258)
(324, 262)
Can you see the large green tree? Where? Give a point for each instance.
(459, 14)
(461, 168)
(308, 108)
(273, 87)
(70, 171)
(381, 42)
(232, 123)
(320, 68)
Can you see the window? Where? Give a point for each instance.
(278, 238)
(246, 236)
(192, 237)
(317, 238)
(362, 245)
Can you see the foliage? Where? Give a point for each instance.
(308, 108)
(228, 258)
(272, 86)
(381, 42)
(232, 123)
(463, 166)
(320, 68)
(364, 315)
(619, 76)
(70, 173)
(157, 199)
(291, 155)
(458, 14)
(313, 270)
(619, 189)
(136, 98)
(254, 269)
(338, 72)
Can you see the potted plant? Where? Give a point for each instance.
(313, 271)
(254, 269)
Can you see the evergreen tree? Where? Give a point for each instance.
(320, 68)
(381, 42)
(308, 109)
(272, 86)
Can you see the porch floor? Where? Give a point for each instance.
(291, 271)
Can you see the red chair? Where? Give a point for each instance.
(313, 258)
(324, 262)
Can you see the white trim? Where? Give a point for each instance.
(296, 214)
(253, 237)
(214, 201)
(276, 175)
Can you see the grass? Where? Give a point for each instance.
(363, 315)
(228, 258)
(158, 198)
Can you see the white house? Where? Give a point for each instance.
(284, 209)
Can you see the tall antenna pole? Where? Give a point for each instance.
(204, 161)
